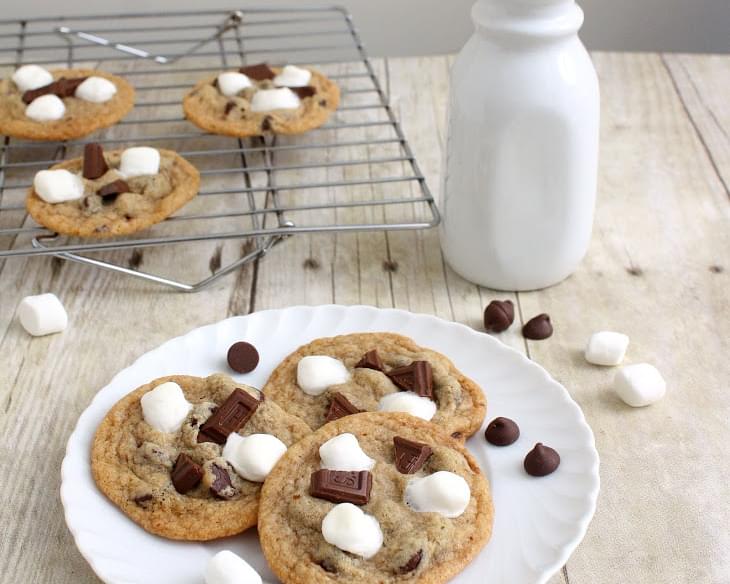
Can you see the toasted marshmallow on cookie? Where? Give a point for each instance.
(343, 452)
(442, 492)
(30, 77)
(42, 315)
(293, 76)
(165, 407)
(315, 373)
(139, 161)
(231, 82)
(266, 100)
(253, 456)
(58, 186)
(46, 108)
(408, 402)
(227, 568)
(351, 529)
(96, 90)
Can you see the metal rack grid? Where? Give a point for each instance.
(356, 173)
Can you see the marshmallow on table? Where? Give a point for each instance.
(292, 76)
(343, 452)
(253, 456)
(639, 385)
(139, 161)
(46, 108)
(606, 348)
(265, 100)
(351, 529)
(30, 77)
(227, 568)
(231, 82)
(58, 186)
(315, 373)
(42, 314)
(442, 492)
(408, 402)
(165, 407)
(96, 89)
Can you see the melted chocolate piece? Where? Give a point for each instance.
(541, 460)
(304, 92)
(499, 315)
(258, 72)
(221, 486)
(340, 407)
(61, 87)
(186, 474)
(94, 163)
(412, 563)
(538, 328)
(32, 94)
(416, 377)
(502, 432)
(243, 357)
(109, 192)
(341, 486)
(229, 417)
(371, 360)
(410, 456)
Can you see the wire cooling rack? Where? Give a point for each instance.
(356, 173)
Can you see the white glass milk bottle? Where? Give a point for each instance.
(522, 152)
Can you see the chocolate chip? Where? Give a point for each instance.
(258, 72)
(538, 328)
(243, 357)
(229, 106)
(143, 500)
(221, 486)
(541, 460)
(94, 163)
(411, 564)
(304, 92)
(67, 87)
(499, 315)
(266, 124)
(32, 94)
(456, 435)
(340, 407)
(323, 102)
(341, 486)
(186, 475)
(229, 417)
(410, 456)
(416, 377)
(371, 360)
(109, 192)
(502, 432)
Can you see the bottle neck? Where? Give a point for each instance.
(527, 18)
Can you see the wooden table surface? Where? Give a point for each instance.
(658, 269)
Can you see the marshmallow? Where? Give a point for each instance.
(165, 407)
(253, 456)
(292, 76)
(42, 315)
(315, 373)
(352, 530)
(30, 77)
(408, 402)
(96, 89)
(46, 108)
(442, 492)
(231, 82)
(139, 161)
(640, 384)
(227, 568)
(266, 100)
(343, 452)
(606, 348)
(58, 186)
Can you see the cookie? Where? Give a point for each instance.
(81, 117)
(134, 464)
(206, 107)
(151, 199)
(416, 546)
(460, 405)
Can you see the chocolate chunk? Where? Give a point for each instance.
(341, 486)
(229, 106)
(304, 92)
(258, 72)
(266, 124)
(371, 360)
(229, 417)
(541, 460)
(416, 377)
(411, 564)
(502, 432)
(243, 357)
(109, 192)
(61, 87)
(340, 407)
(499, 315)
(456, 435)
(186, 475)
(32, 94)
(221, 486)
(143, 500)
(323, 102)
(94, 163)
(410, 456)
(538, 328)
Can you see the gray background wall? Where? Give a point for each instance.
(420, 27)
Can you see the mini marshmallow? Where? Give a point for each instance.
(231, 82)
(442, 492)
(315, 373)
(292, 76)
(227, 568)
(351, 529)
(58, 186)
(639, 385)
(96, 89)
(139, 161)
(408, 402)
(343, 452)
(165, 407)
(42, 315)
(253, 456)
(46, 108)
(606, 348)
(30, 77)
(265, 100)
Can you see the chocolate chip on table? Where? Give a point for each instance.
(410, 456)
(258, 72)
(499, 315)
(371, 360)
(341, 486)
(412, 563)
(94, 163)
(221, 486)
(243, 357)
(186, 474)
(541, 460)
(229, 417)
(416, 377)
(502, 432)
(109, 192)
(340, 407)
(304, 92)
(538, 328)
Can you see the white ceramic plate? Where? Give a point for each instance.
(538, 522)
